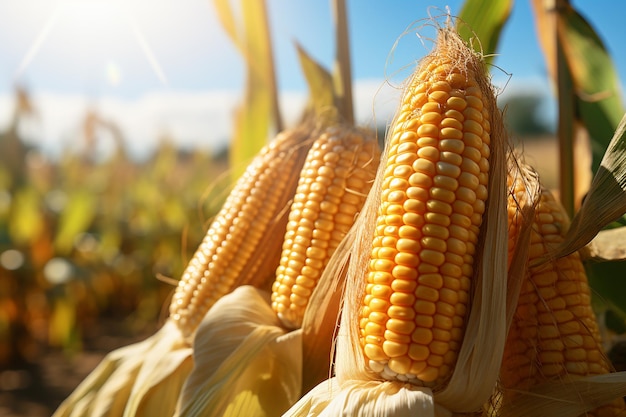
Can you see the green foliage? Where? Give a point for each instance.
(322, 99)
(76, 217)
(522, 114)
(25, 222)
(480, 23)
(253, 119)
(598, 101)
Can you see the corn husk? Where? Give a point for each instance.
(316, 400)
(161, 376)
(245, 363)
(158, 365)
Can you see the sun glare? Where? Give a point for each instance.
(95, 33)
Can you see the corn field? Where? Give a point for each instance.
(423, 270)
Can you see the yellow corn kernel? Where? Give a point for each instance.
(232, 250)
(554, 332)
(334, 182)
(439, 142)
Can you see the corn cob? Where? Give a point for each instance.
(432, 202)
(554, 334)
(237, 235)
(332, 188)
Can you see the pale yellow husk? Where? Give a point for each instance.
(316, 400)
(162, 375)
(245, 363)
(128, 379)
(242, 363)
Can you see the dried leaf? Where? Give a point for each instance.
(244, 361)
(320, 83)
(321, 318)
(606, 200)
(254, 117)
(116, 374)
(608, 245)
(343, 71)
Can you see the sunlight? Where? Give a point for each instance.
(95, 32)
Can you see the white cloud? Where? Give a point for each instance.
(375, 102)
(192, 119)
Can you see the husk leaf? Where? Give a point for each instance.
(161, 377)
(107, 389)
(367, 398)
(245, 363)
(315, 401)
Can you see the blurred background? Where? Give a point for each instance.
(115, 123)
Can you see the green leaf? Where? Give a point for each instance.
(26, 221)
(254, 117)
(62, 324)
(595, 80)
(252, 123)
(589, 102)
(484, 20)
(227, 18)
(75, 219)
(320, 83)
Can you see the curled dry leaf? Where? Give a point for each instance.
(244, 362)
(123, 383)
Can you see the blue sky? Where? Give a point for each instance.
(120, 55)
